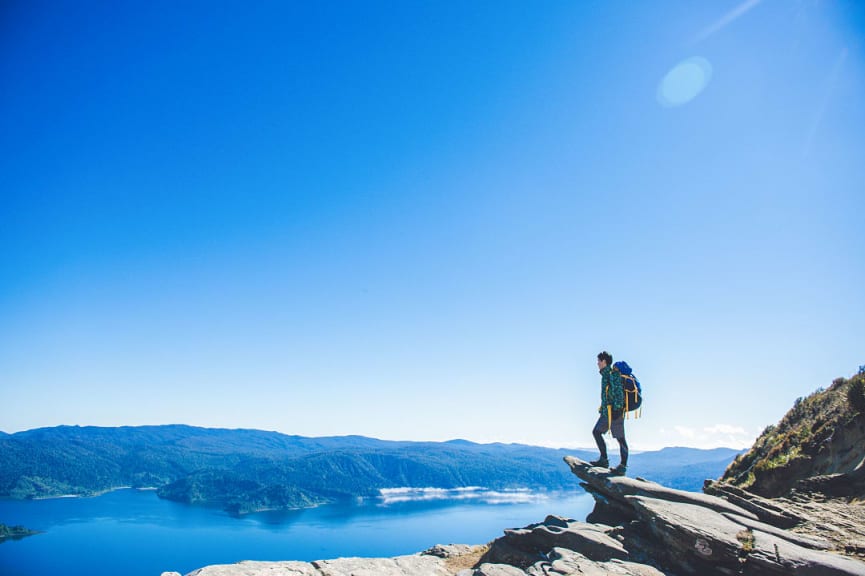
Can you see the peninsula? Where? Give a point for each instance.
(14, 532)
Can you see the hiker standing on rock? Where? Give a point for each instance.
(612, 415)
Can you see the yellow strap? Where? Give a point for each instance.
(610, 419)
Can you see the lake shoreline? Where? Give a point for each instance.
(87, 494)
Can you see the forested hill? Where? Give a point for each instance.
(247, 470)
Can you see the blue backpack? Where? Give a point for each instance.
(633, 390)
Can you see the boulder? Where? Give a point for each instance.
(523, 546)
(566, 562)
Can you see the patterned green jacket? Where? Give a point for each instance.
(611, 390)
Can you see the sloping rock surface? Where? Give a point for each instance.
(599, 481)
(688, 533)
(563, 561)
(434, 562)
(838, 520)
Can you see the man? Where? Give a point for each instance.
(612, 415)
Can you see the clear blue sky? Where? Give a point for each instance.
(423, 220)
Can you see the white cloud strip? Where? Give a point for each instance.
(475, 493)
(726, 19)
(715, 436)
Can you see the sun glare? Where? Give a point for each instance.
(684, 82)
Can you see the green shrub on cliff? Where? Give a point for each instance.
(856, 392)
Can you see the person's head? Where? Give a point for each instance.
(604, 360)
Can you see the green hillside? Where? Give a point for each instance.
(245, 470)
(822, 434)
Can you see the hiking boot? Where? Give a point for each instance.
(601, 462)
(619, 470)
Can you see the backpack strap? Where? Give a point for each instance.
(610, 419)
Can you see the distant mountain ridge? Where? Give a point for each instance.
(248, 470)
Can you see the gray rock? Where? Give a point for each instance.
(578, 536)
(503, 551)
(701, 541)
(608, 510)
(563, 561)
(415, 565)
(620, 487)
(773, 555)
(798, 539)
(497, 570)
(696, 540)
(765, 510)
(449, 550)
(248, 568)
(522, 547)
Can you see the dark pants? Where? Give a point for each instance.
(618, 429)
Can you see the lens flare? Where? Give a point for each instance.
(684, 82)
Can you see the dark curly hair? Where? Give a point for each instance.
(606, 356)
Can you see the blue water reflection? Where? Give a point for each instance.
(136, 533)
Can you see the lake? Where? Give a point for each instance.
(136, 533)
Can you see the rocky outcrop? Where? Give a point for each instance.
(689, 533)
(437, 561)
(522, 547)
(809, 513)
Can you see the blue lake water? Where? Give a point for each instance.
(135, 533)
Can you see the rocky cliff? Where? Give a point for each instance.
(819, 445)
